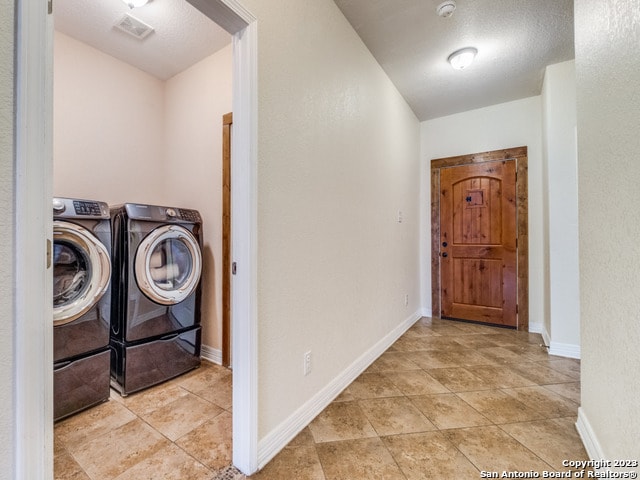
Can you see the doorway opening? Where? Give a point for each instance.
(33, 87)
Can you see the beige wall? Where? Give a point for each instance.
(121, 135)
(608, 102)
(511, 124)
(337, 158)
(108, 127)
(7, 407)
(195, 101)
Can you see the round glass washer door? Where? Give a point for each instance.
(168, 264)
(81, 271)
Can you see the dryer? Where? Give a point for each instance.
(155, 328)
(81, 304)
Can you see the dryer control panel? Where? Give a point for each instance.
(156, 213)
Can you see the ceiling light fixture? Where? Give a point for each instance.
(461, 59)
(445, 9)
(135, 3)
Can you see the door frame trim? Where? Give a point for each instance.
(227, 121)
(519, 154)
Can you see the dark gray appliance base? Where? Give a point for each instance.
(80, 384)
(139, 366)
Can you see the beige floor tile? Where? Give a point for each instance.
(530, 351)
(211, 442)
(458, 379)
(499, 355)
(491, 449)
(552, 440)
(427, 343)
(220, 393)
(499, 407)
(539, 373)
(549, 404)
(475, 341)
(300, 463)
(477, 328)
(423, 456)
(503, 338)
(181, 416)
(395, 361)
(529, 337)
(372, 385)
(146, 401)
(416, 382)
(341, 421)
(66, 468)
(450, 328)
(345, 396)
(395, 415)
(434, 359)
(207, 375)
(449, 411)
(109, 455)
(567, 390)
(568, 366)
(358, 459)
(421, 330)
(92, 423)
(303, 439)
(497, 376)
(170, 463)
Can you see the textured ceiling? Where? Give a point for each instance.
(182, 36)
(515, 39)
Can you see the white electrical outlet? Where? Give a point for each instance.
(406, 299)
(307, 363)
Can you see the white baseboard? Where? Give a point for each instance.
(280, 436)
(564, 349)
(426, 312)
(212, 354)
(555, 348)
(588, 436)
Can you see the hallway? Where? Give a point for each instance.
(448, 400)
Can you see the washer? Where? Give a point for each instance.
(81, 304)
(155, 329)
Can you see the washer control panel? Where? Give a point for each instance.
(83, 207)
(78, 208)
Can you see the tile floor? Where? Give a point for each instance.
(447, 400)
(177, 430)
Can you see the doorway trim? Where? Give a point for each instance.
(33, 339)
(227, 121)
(519, 154)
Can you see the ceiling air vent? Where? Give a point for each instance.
(134, 27)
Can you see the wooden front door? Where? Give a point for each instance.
(478, 254)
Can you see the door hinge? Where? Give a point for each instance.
(516, 242)
(49, 7)
(517, 309)
(48, 253)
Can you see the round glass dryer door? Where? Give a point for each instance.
(168, 264)
(81, 271)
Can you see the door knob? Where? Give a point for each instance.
(444, 244)
(445, 254)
